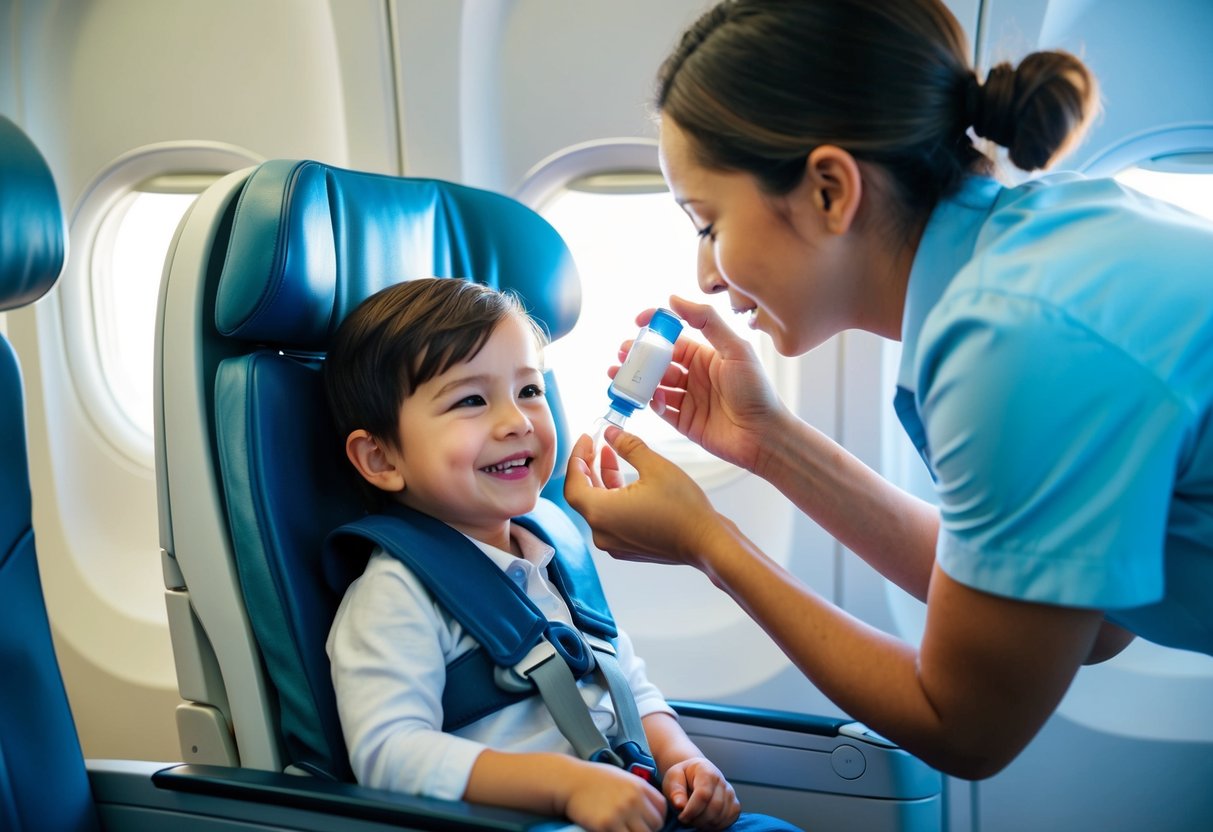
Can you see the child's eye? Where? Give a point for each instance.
(531, 391)
(708, 231)
(474, 400)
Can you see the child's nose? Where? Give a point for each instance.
(513, 420)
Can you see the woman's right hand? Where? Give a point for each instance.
(662, 517)
(716, 394)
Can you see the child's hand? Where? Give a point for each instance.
(603, 798)
(703, 798)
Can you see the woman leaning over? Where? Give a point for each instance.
(1057, 370)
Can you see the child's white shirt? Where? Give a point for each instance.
(389, 646)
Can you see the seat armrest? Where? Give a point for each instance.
(125, 788)
(823, 726)
(806, 752)
(821, 773)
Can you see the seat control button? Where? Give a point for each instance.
(848, 762)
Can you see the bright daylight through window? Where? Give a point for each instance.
(126, 271)
(1190, 191)
(633, 250)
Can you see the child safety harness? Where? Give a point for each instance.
(521, 652)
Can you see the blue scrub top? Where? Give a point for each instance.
(1057, 378)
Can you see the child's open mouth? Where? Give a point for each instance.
(510, 469)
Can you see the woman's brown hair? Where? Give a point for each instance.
(757, 84)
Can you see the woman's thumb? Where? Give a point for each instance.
(629, 446)
(707, 320)
(577, 479)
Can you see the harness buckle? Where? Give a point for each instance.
(517, 679)
(637, 762)
(558, 640)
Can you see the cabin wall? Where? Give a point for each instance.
(94, 83)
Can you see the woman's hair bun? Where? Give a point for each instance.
(1036, 110)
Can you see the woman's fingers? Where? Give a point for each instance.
(705, 318)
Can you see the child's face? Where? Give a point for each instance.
(478, 441)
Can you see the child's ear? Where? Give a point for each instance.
(374, 464)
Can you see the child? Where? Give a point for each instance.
(437, 385)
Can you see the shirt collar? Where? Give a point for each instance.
(948, 242)
(534, 551)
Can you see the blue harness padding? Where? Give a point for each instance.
(497, 613)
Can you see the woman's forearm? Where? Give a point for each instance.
(966, 702)
(892, 530)
(861, 668)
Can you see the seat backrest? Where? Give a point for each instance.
(43, 784)
(264, 268)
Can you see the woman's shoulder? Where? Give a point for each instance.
(1067, 260)
(1074, 243)
(1068, 211)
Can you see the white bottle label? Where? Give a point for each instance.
(641, 372)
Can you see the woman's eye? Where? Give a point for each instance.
(707, 232)
(531, 391)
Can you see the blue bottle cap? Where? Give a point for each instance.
(666, 324)
(619, 404)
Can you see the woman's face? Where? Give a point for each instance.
(773, 255)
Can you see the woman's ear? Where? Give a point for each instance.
(376, 466)
(835, 185)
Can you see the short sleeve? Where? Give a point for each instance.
(1054, 451)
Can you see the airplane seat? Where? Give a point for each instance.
(251, 476)
(286, 480)
(306, 243)
(43, 782)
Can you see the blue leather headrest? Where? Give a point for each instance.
(309, 242)
(33, 236)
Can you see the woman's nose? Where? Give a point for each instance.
(710, 281)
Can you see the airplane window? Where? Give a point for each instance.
(634, 247)
(1190, 191)
(120, 232)
(127, 263)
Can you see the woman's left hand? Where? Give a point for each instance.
(660, 518)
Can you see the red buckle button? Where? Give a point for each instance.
(643, 772)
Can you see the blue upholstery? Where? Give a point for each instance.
(33, 237)
(307, 243)
(43, 784)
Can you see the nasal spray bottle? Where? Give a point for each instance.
(641, 372)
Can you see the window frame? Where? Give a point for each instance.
(1157, 148)
(92, 231)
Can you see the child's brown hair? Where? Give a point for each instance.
(401, 337)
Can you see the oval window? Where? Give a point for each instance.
(121, 231)
(1185, 180)
(128, 259)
